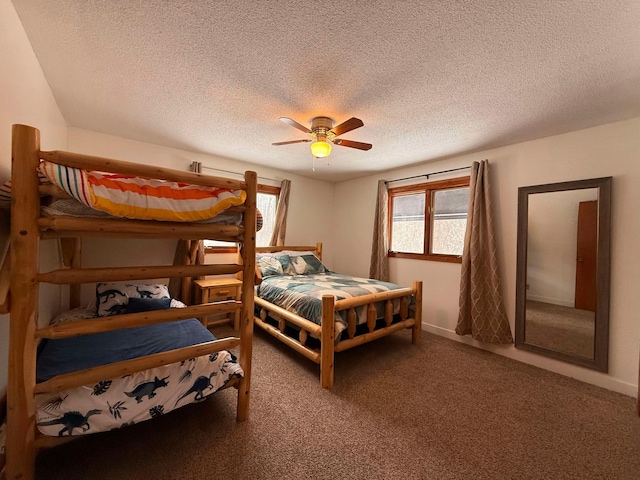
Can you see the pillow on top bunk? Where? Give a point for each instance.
(112, 298)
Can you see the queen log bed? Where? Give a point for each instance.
(338, 311)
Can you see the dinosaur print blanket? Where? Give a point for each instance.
(116, 403)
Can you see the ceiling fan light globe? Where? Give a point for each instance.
(320, 149)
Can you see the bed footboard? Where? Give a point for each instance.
(410, 316)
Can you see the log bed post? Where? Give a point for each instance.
(25, 236)
(327, 338)
(417, 315)
(247, 313)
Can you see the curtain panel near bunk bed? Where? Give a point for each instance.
(282, 210)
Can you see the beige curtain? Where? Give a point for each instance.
(379, 268)
(482, 313)
(280, 226)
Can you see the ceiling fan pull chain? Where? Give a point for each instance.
(313, 163)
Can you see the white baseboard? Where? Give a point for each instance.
(568, 370)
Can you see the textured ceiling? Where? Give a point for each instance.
(428, 78)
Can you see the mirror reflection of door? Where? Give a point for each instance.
(561, 271)
(587, 254)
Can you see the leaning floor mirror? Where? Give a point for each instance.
(562, 285)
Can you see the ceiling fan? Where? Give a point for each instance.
(323, 134)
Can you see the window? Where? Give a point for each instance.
(266, 200)
(428, 221)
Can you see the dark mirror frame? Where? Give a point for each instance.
(600, 359)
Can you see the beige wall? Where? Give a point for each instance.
(607, 150)
(26, 98)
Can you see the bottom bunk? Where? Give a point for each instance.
(318, 312)
(110, 404)
(167, 379)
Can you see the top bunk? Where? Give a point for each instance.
(114, 198)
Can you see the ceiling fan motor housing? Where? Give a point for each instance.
(320, 126)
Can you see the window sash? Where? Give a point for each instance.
(428, 190)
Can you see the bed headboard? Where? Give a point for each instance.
(297, 248)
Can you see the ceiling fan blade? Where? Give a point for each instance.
(347, 126)
(295, 124)
(352, 144)
(292, 141)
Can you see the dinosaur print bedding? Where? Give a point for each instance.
(302, 295)
(114, 403)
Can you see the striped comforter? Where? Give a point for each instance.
(142, 198)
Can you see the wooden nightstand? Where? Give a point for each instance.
(218, 290)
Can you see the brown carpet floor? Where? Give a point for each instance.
(441, 410)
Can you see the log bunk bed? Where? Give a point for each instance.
(28, 227)
(381, 313)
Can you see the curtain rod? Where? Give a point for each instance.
(427, 174)
(237, 173)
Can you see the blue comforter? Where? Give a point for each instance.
(66, 355)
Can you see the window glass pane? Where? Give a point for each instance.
(267, 205)
(407, 229)
(218, 243)
(449, 220)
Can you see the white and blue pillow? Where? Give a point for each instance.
(307, 264)
(271, 264)
(112, 298)
(289, 262)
